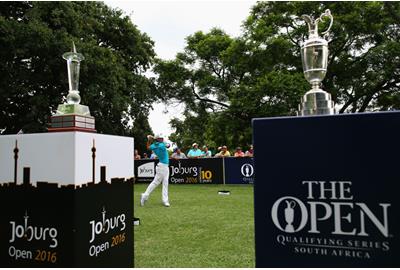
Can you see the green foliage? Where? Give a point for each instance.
(33, 37)
(223, 84)
(225, 81)
(363, 65)
(200, 229)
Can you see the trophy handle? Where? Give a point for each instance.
(328, 14)
(290, 204)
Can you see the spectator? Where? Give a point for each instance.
(224, 152)
(153, 155)
(178, 154)
(195, 152)
(206, 153)
(137, 156)
(239, 152)
(145, 156)
(249, 153)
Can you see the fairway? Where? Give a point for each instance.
(200, 229)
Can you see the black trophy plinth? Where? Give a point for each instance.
(67, 226)
(326, 191)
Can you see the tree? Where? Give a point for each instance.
(33, 37)
(199, 78)
(221, 83)
(363, 65)
(225, 82)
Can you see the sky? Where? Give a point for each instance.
(168, 23)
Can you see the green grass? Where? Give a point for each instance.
(200, 229)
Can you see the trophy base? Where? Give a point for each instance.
(77, 109)
(316, 102)
(72, 117)
(71, 122)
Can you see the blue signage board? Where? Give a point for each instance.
(326, 191)
(183, 171)
(239, 170)
(196, 171)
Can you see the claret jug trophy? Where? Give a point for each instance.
(314, 56)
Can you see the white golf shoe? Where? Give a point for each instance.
(166, 204)
(143, 199)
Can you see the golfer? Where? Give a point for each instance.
(162, 169)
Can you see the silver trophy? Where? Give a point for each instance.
(73, 64)
(72, 116)
(314, 55)
(247, 171)
(289, 216)
(73, 98)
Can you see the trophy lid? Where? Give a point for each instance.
(73, 55)
(313, 24)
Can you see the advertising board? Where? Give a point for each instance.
(326, 191)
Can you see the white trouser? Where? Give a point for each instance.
(162, 175)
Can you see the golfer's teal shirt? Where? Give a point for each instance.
(160, 150)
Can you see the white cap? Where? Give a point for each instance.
(194, 144)
(159, 136)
